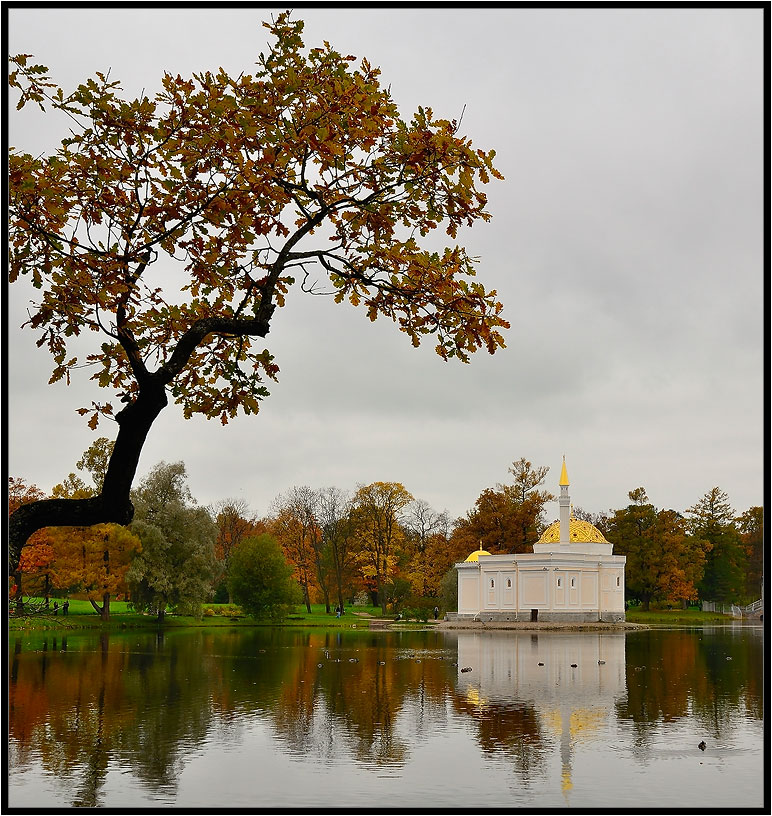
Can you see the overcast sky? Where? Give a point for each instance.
(626, 245)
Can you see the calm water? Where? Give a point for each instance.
(283, 718)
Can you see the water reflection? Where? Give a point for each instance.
(553, 683)
(96, 719)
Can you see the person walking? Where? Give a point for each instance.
(66, 606)
(436, 612)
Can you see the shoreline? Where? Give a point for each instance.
(542, 625)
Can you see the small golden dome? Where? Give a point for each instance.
(475, 556)
(578, 532)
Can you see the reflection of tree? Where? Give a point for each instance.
(69, 717)
(686, 674)
(513, 730)
(344, 706)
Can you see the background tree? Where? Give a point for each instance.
(92, 560)
(302, 503)
(712, 520)
(177, 563)
(297, 533)
(377, 512)
(95, 561)
(491, 524)
(235, 522)
(530, 500)
(681, 557)
(449, 590)
(425, 527)
(506, 518)
(664, 562)
(260, 579)
(247, 182)
(751, 526)
(96, 460)
(632, 531)
(334, 512)
(38, 555)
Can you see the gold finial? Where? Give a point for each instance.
(564, 474)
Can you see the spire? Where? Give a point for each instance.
(564, 474)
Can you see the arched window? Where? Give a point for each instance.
(560, 582)
(491, 583)
(509, 583)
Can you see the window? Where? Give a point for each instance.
(491, 583)
(573, 583)
(618, 581)
(560, 582)
(509, 583)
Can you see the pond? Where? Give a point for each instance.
(297, 719)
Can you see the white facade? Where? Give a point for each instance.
(572, 575)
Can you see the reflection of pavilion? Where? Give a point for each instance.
(572, 702)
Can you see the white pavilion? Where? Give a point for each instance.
(571, 576)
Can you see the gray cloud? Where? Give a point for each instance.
(626, 245)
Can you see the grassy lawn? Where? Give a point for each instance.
(82, 616)
(679, 617)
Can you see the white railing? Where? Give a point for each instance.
(724, 609)
(732, 609)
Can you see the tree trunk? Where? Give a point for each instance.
(104, 610)
(113, 504)
(381, 595)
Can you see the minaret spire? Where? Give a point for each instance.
(564, 474)
(565, 505)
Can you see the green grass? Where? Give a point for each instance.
(82, 616)
(680, 617)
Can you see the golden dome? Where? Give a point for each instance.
(475, 556)
(578, 532)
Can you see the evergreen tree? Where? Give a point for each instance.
(712, 520)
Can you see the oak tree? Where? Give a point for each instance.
(247, 184)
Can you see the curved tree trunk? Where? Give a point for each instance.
(113, 504)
